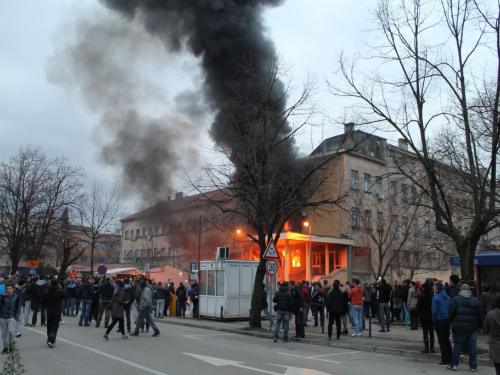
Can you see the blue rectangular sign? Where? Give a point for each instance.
(193, 267)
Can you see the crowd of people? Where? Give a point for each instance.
(440, 308)
(117, 301)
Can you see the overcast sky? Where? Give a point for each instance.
(36, 111)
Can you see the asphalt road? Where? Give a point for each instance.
(185, 350)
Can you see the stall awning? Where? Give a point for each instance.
(485, 258)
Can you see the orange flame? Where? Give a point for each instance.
(287, 226)
(296, 258)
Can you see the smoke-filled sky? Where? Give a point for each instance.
(81, 80)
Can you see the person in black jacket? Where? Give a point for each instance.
(162, 298)
(264, 305)
(298, 302)
(384, 304)
(52, 300)
(336, 305)
(424, 309)
(106, 291)
(466, 317)
(284, 305)
(39, 287)
(86, 296)
(94, 309)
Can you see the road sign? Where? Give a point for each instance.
(33, 264)
(102, 269)
(32, 271)
(193, 267)
(271, 252)
(271, 267)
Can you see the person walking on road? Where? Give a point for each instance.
(181, 294)
(118, 304)
(413, 294)
(161, 296)
(72, 290)
(10, 311)
(307, 301)
(336, 307)
(195, 297)
(145, 306)
(298, 308)
(264, 305)
(492, 326)
(424, 309)
(28, 294)
(52, 300)
(21, 294)
(39, 287)
(106, 291)
(440, 304)
(356, 297)
(284, 305)
(129, 297)
(467, 317)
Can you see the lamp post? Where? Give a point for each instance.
(309, 254)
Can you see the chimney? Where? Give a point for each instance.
(403, 144)
(349, 128)
(179, 195)
(169, 197)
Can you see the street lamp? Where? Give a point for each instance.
(309, 253)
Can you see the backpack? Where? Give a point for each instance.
(194, 294)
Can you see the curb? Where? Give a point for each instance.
(364, 348)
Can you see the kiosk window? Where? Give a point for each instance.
(211, 283)
(203, 283)
(220, 283)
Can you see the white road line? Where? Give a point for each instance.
(326, 355)
(300, 356)
(214, 334)
(103, 354)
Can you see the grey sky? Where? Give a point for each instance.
(307, 34)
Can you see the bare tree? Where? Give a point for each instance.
(265, 182)
(99, 209)
(427, 78)
(34, 191)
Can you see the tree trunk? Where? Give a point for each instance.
(257, 294)
(64, 262)
(14, 265)
(467, 251)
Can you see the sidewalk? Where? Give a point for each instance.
(399, 341)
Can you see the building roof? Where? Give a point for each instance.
(180, 204)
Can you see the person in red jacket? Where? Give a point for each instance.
(356, 297)
(307, 301)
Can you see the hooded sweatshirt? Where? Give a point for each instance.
(39, 288)
(72, 289)
(146, 296)
(466, 313)
(52, 300)
(440, 303)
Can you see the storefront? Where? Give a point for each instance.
(487, 267)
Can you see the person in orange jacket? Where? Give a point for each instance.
(356, 297)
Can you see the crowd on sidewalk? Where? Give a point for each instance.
(439, 308)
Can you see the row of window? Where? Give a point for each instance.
(100, 245)
(152, 253)
(416, 259)
(98, 260)
(171, 228)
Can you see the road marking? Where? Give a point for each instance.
(227, 362)
(213, 334)
(300, 356)
(326, 355)
(103, 354)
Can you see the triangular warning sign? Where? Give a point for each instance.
(271, 252)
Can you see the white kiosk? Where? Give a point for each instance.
(226, 287)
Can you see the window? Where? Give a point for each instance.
(150, 231)
(435, 257)
(170, 252)
(413, 194)
(416, 259)
(126, 235)
(143, 253)
(144, 232)
(179, 227)
(163, 229)
(380, 221)
(157, 252)
(162, 252)
(378, 185)
(368, 218)
(172, 228)
(85, 243)
(427, 229)
(394, 224)
(394, 189)
(355, 217)
(137, 253)
(354, 180)
(411, 166)
(406, 258)
(429, 260)
(426, 203)
(404, 192)
(392, 161)
(138, 233)
(415, 226)
(157, 230)
(402, 163)
(100, 245)
(404, 227)
(368, 183)
(85, 259)
(150, 253)
(435, 230)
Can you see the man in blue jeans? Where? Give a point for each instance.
(466, 316)
(86, 295)
(356, 297)
(284, 304)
